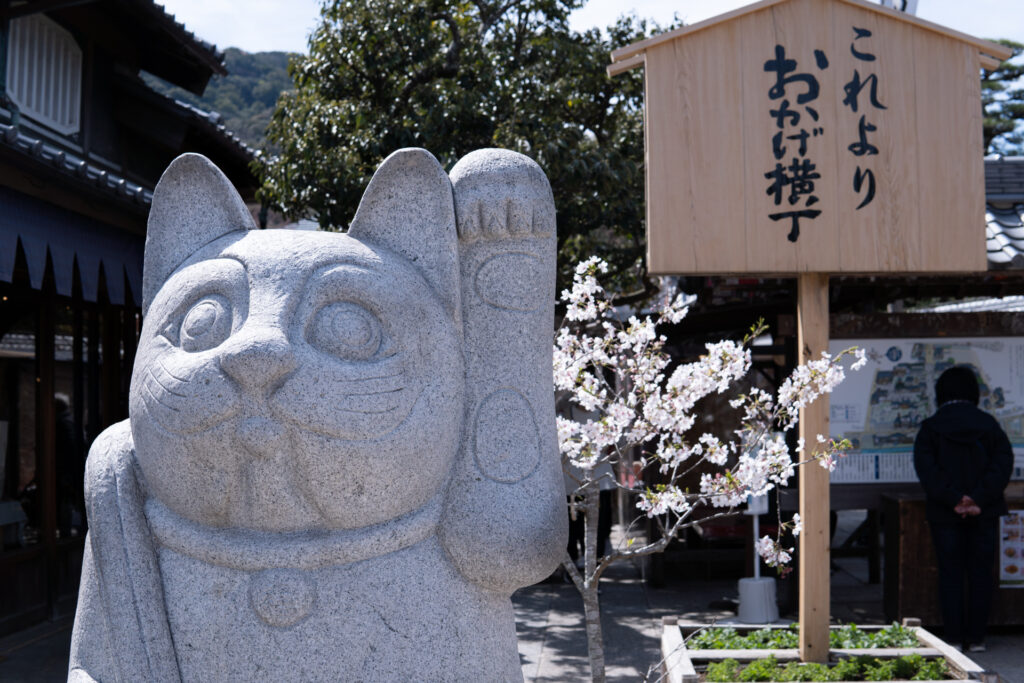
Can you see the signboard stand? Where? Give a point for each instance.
(815, 575)
(808, 137)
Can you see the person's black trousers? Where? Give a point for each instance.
(577, 528)
(966, 554)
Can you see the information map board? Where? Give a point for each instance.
(880, 407)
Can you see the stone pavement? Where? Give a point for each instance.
(552, 641)
(37, 654)
(549, 617)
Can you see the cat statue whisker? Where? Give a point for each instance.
(340, 458)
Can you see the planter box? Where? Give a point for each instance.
(680, 664)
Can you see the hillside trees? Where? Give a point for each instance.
(457, 76)
(245, 97)
(1002, 102)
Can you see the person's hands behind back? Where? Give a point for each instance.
(967, 507)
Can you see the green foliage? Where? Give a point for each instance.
(850, 636)
(454, 76)
(1002, 100)
(849, 669)
(723, 672)
(847, 637)
(796, 671)
(246, 97)
(728, 638)
(760, 670)
(881, 670)
(910, 667)
(931, 670)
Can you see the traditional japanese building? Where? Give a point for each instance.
(83, 141)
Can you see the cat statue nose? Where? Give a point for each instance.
(257, 360)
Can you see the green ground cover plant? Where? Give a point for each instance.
(862, 668)
(847, 637)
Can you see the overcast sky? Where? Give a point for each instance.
(257, 25)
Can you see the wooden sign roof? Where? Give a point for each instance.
(796, 136)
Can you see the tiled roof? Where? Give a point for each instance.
(1004, 236)
(85, 170)
(1004, 179)
(1009, 304)
(1004, 213)
(78, 166)
(208, 122)
(206, 52)
(212, 122)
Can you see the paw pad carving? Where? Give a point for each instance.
(508, 280)
(506, 437)
(501, 194)
(516, 217)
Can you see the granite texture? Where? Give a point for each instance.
(341, 455)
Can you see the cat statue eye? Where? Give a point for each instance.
(206, 324)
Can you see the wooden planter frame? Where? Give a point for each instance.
(678, 662)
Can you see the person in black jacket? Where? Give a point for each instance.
(964, 461)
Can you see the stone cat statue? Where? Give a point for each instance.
(341, 455)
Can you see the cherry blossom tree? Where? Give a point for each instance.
(617, 373)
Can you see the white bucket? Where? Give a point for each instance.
(757, 601)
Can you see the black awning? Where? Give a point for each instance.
(68, 237)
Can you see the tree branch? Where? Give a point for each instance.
(649, 290)
(434, 71)
(490, 15)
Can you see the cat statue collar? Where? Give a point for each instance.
(251, 550)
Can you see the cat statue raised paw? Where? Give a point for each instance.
(341, 454)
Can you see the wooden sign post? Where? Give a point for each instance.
(814, 559)
(809, 137)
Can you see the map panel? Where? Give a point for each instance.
(881, 407)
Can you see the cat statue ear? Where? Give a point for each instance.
(193, 204)
(408, 208)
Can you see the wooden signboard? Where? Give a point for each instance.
(795, 136)
(809, 137)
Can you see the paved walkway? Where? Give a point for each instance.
(38, 654)
(552, 643)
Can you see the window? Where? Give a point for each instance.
(44, 73)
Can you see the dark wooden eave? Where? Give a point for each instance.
(36, 169)
(726, 307)
(23, 8)
(137, 33)
(177, 127)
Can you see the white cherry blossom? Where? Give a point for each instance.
(615, 372)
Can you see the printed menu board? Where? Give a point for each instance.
(1011, 550)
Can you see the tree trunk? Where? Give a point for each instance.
(595, 640)
(591, 604)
